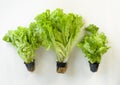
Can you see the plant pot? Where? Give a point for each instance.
(61, 67)
(93, 66)
(30, 66)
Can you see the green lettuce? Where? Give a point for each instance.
(59, 31)
(94, 44)
(26, 40)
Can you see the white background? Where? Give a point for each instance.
(103, 13)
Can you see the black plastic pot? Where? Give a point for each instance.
(61, 67)
(93, 66)
(30, 66)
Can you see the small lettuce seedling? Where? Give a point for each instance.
(94, 45)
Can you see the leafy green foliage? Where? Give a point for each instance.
(26, 40)
(59, 31)
(94, 44)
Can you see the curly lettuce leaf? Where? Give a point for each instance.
(26, 40)
(59, 31)
(94, 44)
(92, 28)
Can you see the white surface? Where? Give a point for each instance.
(103, 13)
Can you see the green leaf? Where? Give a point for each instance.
(92, 28)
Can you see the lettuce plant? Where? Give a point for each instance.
(60, 31)
(94, 45)
(26, 40)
